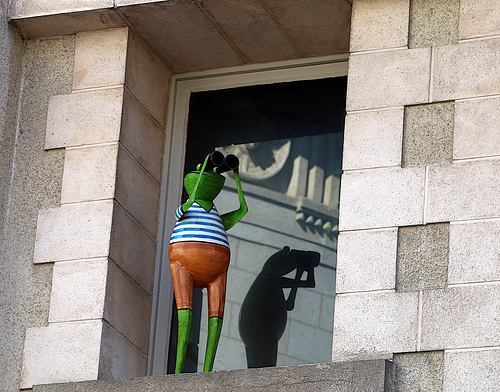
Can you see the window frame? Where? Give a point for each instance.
(181, 87)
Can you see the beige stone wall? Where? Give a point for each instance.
(418, 276)
(101, 239)
(30, 179)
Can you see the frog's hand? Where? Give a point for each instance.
(231, 218)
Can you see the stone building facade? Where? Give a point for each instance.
(93, 113)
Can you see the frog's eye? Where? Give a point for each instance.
(198, 167)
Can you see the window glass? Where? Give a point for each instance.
(281, 279)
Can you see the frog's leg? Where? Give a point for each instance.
(216, 300)
(183, 289)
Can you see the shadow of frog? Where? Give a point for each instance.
(263, 314)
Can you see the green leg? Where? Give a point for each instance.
(214, 328)
(185, 317)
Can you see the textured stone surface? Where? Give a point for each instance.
(30, 178)
(422, 371)
(366, 260)
(381, 198)
(363, 376)
(78, 290)
(84, 118)
(100, 58)
(147, 79)
(125, 302)
(373, 139)
(472, 371)
(471, 11)
(142, 136)
(474, 252)
(374, 325)
(24, 8)
(61, 352)
(137, 192)
(89, 173)
(461, 317)
(119, 358)
(428, 134)
(477, 128)
(464, 190)
(433, 22)
(422, 261)
(467, 69)
(133, 249)
(73, 231)
(379, 24)
(388, 79)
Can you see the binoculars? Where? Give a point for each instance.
(222, 164)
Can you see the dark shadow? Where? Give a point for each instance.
(263, 314)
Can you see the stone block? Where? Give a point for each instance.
(82, 118)
(74, 231)
(89, 173)
(422, 261)
(125, 302)
(361, 376)
(428, 134)
(142, 136)
(30, 8)
(380, 198)
(475, 370)
(472, 11)
(477, 128)
(463, 190)
(100, 58)
(137, 192)
(460, 317)
(474, 252)
(421, 371)
(252, 29)
(433, 22)
(62, 352)
(119, 358)
(366, 260)
(379, 24)
(147, 79)
(133, 249)
(64, 24)
(309, 25)
(373, 139)
(374, 325)
(466, 69)
(388, 79)
(78, 290)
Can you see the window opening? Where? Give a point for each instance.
(281, 279)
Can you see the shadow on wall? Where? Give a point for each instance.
(263, 314)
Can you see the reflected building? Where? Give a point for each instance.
(292, 190)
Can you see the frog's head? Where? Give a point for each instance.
(211, 183)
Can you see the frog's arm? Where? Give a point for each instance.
(192, 197)
(231, 218)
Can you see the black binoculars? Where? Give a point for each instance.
(222, 164)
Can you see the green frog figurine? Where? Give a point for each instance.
(199, 250)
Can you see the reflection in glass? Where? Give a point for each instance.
(281, 280)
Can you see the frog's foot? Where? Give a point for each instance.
(214, 329)
(185, 317)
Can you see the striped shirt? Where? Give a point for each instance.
(198, 225)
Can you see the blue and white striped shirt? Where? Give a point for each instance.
(198, 225)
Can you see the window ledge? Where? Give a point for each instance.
(374, 375)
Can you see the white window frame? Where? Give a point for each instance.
(181, 88)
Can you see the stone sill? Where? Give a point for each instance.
(359, 376)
